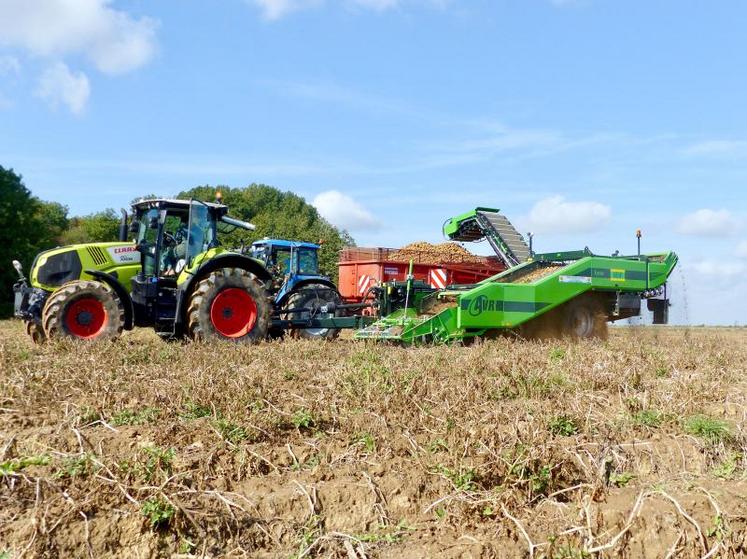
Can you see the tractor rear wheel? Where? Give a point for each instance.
(85, 310)
(229, 304)
(35, 332)
(313, 297)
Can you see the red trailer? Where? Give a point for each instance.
(363, 268)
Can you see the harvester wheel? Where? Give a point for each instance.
(584, 317)
(313, 297)
(35, 332)
(229, 304)
(85, 309)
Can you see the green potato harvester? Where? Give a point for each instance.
(571, 294)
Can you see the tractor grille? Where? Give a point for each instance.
(97, 255)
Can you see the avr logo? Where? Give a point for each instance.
(480, 304)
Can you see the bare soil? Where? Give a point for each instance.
(633, 447)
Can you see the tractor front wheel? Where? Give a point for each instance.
(85, 310)
(229, 304)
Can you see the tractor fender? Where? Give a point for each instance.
(118, 288)
(301, 284)
(225, 260)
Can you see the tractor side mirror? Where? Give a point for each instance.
(134, 227)
(153, 223)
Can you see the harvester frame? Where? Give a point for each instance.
(565, 293)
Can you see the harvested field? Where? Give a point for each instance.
(426, 253)
(634, 447)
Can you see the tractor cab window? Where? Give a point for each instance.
(308, 264)
(282, 260)
(201, 231)
(147, 239)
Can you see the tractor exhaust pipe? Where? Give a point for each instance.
(123, 226)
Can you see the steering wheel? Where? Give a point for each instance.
(169, 240)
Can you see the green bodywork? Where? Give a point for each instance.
(107, 258)
(498, 303)
(102, 257)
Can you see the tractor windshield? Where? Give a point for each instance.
(308, 264)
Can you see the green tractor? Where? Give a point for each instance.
(175, 278)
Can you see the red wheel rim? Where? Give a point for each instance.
(86, 318)
(233, 313)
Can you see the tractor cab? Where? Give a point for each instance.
(289, 262)
(173, 237)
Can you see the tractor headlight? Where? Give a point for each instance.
(19, 268)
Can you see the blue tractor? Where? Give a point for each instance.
(300, 292)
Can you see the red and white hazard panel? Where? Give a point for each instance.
(364, 282)
(437, 278)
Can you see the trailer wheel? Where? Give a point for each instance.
(584, 317)
(229, 304)
(85, 310)
(312, 297)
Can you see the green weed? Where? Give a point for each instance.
(230, 431)
(193, 410)
(621, 480)
(729, 467)
(463, 479)
(133, 417)
(10, 467)
(158, 512)
(564, 426)
(76, 466)
(366, 440)
(303, 419)
(708, 428)
(648, 418)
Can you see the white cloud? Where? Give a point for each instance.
(742, 249)
(378, 5)
(342, 211)
(718, 148)
(276, 9)
(720, 269)
(707, 222)
(58, 85)
(555, 215)
(113, 40)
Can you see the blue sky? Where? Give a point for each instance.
(581, 119)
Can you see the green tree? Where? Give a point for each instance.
(27, 226)
(278, 214)
(96, 227)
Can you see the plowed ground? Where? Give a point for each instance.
(633, 447)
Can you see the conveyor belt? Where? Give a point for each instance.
(515, 249)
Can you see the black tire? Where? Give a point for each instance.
(35, 332)
(313, 297)
(229, 304)
(579, 318)
(584, 318)
(84, 309)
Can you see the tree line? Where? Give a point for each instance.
(29, 225)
